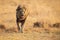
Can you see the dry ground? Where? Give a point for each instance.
(44, 11)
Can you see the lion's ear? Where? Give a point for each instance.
(24, 7)
(18, 8)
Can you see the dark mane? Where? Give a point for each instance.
(18, 8)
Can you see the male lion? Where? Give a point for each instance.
(21, 15)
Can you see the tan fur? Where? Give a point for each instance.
(25, 13)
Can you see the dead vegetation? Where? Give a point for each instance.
(39, 11)
(57, 25)
(54, 25)
(38, 24)
(2, 26)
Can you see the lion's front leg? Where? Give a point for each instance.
(21, 29)
(18, 26)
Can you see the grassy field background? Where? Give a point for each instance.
(44, 11)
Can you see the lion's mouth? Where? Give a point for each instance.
(21, 16)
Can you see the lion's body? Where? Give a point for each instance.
(21, 15)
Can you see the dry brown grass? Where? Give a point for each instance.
(44, 11)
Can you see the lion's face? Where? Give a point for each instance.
(21, 12)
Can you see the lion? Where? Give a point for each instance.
(21, 15)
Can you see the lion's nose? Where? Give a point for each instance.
(22, 15)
